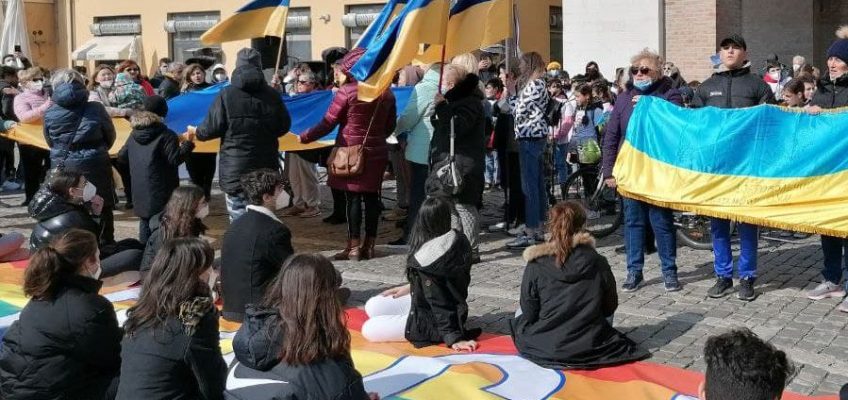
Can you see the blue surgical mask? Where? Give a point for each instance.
(643, 85)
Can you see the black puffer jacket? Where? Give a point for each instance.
(439, 274)
(80, 134)
(179, 361)
(464, 104)
(260, 375)
(56, 215)
(68, 348)
(564, 309)
(831, 93)
(737, 88)
(153, 154)
(248, 116)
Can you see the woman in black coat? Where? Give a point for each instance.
(460, 110)
(171, 350)
(68, 201)
(66, 343)
(568, 298)
(80, 134)
(182, 217)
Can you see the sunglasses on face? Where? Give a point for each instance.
(637, 70)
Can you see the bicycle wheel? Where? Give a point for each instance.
(694, 231)
(602, 204)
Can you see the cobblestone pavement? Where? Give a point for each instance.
(673, 326)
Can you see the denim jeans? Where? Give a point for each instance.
(492, 174)
(533, 182)
(563, 169)
(835, 259)
(236, 206)
(637, 214)
(748, 235)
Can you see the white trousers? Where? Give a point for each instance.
(386, 318)
(303, 176)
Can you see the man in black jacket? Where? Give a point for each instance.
(255, 246)
(734, 86)
(248, 116)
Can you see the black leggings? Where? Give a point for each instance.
(354, 213)
(35, 162)
(120, 257)
(201, 170)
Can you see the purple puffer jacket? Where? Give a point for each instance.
(620, 117)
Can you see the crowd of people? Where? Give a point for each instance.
(470, 126)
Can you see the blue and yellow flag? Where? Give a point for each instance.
(390, 11)
(473, 24)
(259, 18)
(419, 22)
(764, 165)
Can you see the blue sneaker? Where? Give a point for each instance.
(632, 283)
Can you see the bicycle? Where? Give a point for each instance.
(603, 205)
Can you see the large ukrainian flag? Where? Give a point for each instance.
(390, 11)
(764, 165)
(473, 24)
(259, 18)
(419, 22)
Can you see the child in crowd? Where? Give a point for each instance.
(432, 308)
(183, 217)
(171, 349)
(741, 366)
(568, 298)
(255, 246)
(297, 336)
(127, 93)
(494, 91)
(793, 94)
(153, 154)
(66, 343)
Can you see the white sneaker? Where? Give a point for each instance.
(11, 185)
(826, 289)
(843, 306)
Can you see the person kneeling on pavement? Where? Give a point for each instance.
(255, 246)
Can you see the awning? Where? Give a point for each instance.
(109, 48)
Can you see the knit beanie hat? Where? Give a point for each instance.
(839, 48)
(156, 105)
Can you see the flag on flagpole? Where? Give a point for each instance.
(258, 18)
(473, 24)
(419, 22)
(390, 11)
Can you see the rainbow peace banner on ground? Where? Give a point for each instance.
(305, 110)
(764, 165)
(400, 371)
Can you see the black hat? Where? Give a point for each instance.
(735, 39)
(156, 105)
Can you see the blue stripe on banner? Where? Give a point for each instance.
(306, 110)
(463, 5)
(259, 4)
(378, 26)
(763, 141)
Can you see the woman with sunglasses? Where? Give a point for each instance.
(132, 69)
(30, 106)
(646, 79)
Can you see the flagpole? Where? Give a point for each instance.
(442, 66)
(280, 53)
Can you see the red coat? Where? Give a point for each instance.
(353, 118)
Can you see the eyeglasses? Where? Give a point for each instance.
(637, 70)
(304, 82)
(133, 70)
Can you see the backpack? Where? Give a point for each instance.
(553, 112)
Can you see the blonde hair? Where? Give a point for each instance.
(30, 74)
(457, 70)
(468, 61)
(649, 55)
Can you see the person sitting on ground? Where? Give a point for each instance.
(154, 154)
(183, 217)
(297, 335)
(568, 298)
(69, 201)
(741, 366)
(10, 247)
(171, 349)
(432, 308)
(66, 343)
(255, 246)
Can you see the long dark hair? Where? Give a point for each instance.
(173, 280)
(61, 258)
(310, 313)
(433, 220)
(178, 220)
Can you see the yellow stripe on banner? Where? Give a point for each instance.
(479, 26)
(33, 135)
(268, 21)
(814, 205)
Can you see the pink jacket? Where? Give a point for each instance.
(30, 106)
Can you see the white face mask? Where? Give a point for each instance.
(97, 272)
(36, 86)
(282, 200)
(203, 212)
(774, 75)
(796, 67)
(220, 77)
(107, 84)
(89, 191)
